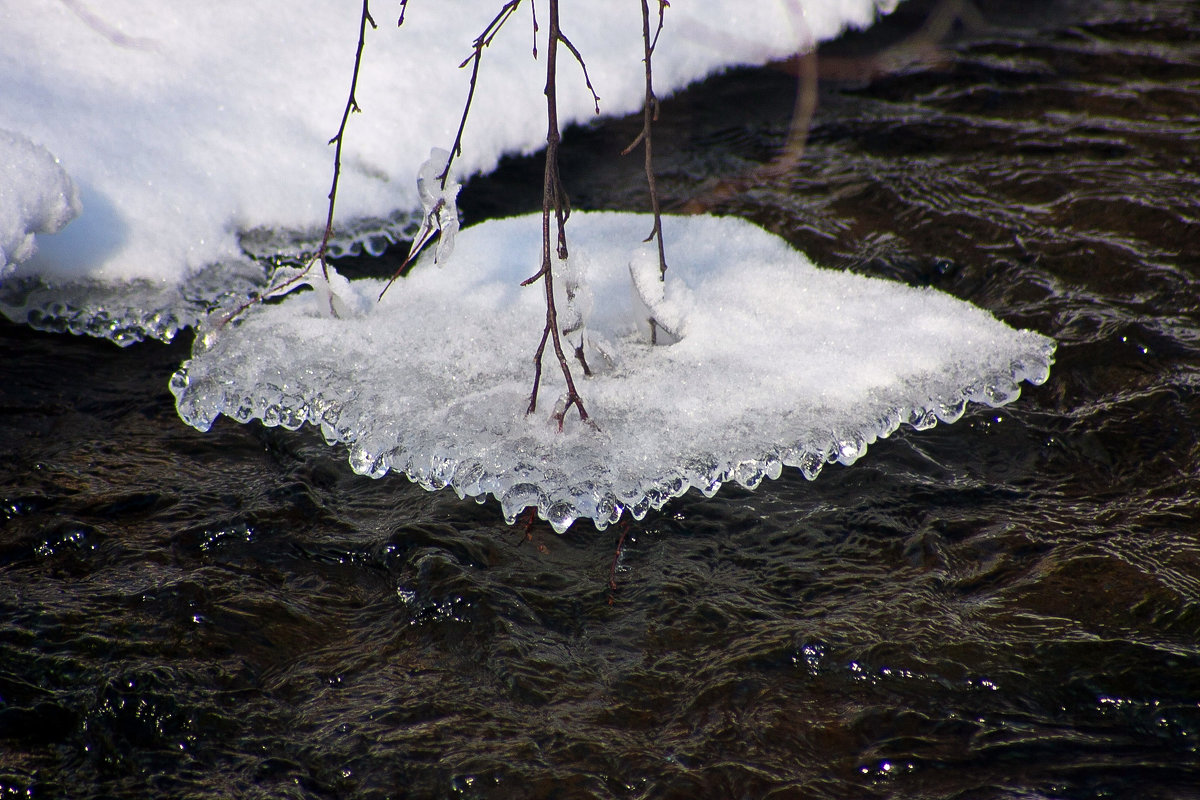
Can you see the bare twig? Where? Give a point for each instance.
(554, 199)
(583, 65)
(296, 280)
(340, 136)
(646, 139)
(338, 139)
(482, 41)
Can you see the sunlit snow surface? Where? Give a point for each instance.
(780, 364)
(36, 196)
(198, 133)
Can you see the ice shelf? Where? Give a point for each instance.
(778, 364)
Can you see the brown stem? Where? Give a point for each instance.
(553, 200)
(587, 79)
(339, 138)
(649, 116)
(351, 107)
(483, 40)
(646, 139)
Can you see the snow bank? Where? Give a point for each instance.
(197, 132)
(778, 364)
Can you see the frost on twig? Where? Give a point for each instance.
(664, 304)
(438, 189)
(448, 185)
(332, 290)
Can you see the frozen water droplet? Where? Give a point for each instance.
(364, 462)
(849, 450)
(810, 463)
(560, 515)
(609, 509)
(639, 509)
(518, 498)
(922, 418)
(952, 411)
(244, 410)
(748, 474)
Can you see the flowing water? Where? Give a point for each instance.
(1008, 607)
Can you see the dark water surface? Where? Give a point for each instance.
(1008, 607)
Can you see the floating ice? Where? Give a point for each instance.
(198, 133)
(779, 364)
(36, 196)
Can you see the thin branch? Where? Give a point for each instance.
(553, 200)
(663, 5)
(339, 138)
(649, 117)
(296, 280)
(533, 9)
(482, 41)
(646, 139)
(583, 65)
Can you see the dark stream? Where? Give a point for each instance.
(1008, 607)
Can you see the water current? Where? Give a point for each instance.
(1008, 607)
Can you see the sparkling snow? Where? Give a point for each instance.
(198, 132)
(778, 364)
(36, 196)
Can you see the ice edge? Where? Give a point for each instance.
(588, 499)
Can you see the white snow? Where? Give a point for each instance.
(779, 364)
(36, 196)
(194, 130)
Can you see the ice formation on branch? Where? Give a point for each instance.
(665, 299)
(779, 364)
(438, 189)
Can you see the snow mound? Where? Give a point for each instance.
(779, 364)
(198, 133)
(36, 196)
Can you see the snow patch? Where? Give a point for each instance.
(198, 133)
